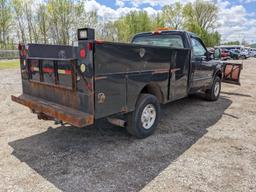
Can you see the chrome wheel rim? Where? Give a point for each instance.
(148, 116)
(217, 89)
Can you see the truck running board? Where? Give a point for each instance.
(56, 111)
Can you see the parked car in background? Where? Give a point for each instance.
(244, 54)
(252, 53)
(234, 54)
(225, 54)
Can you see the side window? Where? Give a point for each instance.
(217, 54)
(198, 48)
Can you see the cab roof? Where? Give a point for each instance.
(166, 32)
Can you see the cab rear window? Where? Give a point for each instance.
(160, 40)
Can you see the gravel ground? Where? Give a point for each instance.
(198, 146)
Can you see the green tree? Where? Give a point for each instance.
(5, 22)
(172, 15)
(232, 43)
(253, 45)
(30, 20)
(132, 23)
(108, 31)
(20, 19)
(202, 14)
(63, 16)
(43, 22)
(158, 21)
(201, 18)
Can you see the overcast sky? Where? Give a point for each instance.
(237, 18)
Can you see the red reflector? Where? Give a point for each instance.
(48, 70)
(90, 46)
(68, 72)
(82, 53)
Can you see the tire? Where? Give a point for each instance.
(213, 93)
(143, 121)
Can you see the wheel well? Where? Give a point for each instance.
(218, 74)
(155, 90)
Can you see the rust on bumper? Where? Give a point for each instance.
(59, 112)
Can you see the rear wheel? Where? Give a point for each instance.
(144, 120)
(213, 93)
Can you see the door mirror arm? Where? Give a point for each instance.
(209, 55)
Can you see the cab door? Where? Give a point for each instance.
(201, 66)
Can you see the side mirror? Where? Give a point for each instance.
(209, 55)
(217, 54)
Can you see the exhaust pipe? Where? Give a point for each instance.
(117, 122)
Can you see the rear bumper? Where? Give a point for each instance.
(56, 111)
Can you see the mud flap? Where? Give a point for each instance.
(231, 73)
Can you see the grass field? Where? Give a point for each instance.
(9, 64)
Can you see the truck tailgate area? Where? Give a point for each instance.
(60, 112)
(53, 86)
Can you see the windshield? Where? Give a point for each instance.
(160, 40)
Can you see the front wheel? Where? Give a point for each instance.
(144, 120)
(213, 93)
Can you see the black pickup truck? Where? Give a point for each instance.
(95, 79)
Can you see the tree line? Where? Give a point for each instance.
(56, 22)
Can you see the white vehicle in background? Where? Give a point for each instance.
(244, 54)
(252, 52)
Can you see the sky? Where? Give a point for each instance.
(236, 19)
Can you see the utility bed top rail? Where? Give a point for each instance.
(47, 59)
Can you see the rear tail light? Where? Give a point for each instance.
(83, 53)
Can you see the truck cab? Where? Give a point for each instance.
(203, 66)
